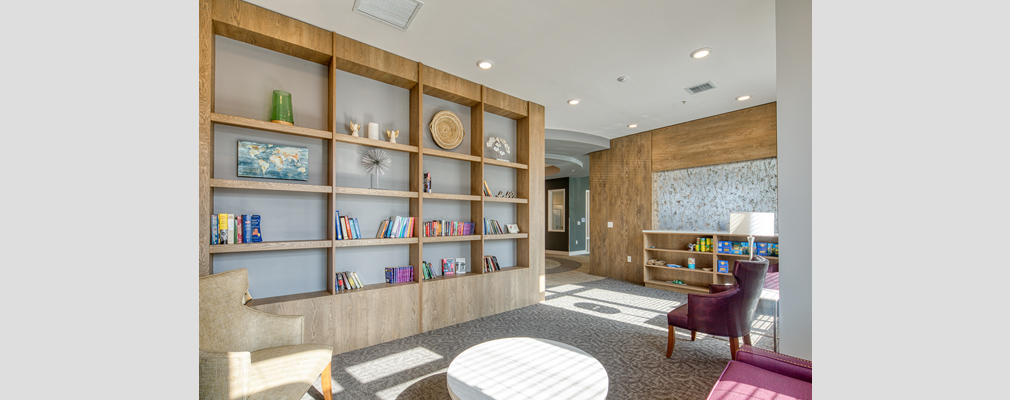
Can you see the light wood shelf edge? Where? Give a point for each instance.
(256, 185)
(506, 200)
(507, 236)
(373, 192)
(457, 238)
(373, 242)
(448, 196)
(270, 246)
(451, 155)
(250, 123)
(363, 141)
(507, 164)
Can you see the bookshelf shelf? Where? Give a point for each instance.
(385, 311)
(446, 196)
(696, 280)
(460, 238)
(287, 298)
(508, 164)
(666, 285)
(373, 192)
(340, 137)
(505, 200)
(373, 242)
(450, 155)
(256, 185)
(269, 126)
(507, 236)
(270, 246)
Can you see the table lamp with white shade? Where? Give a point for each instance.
(752, 224)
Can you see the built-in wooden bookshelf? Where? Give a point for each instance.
(379, 312)
(672, 247)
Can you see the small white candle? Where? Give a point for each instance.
(373, 130)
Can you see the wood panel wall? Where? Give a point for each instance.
(620, 179)
(742, 135)
(620, 190)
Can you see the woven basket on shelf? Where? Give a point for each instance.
(447, 130)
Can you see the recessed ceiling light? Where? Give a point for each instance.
(633, 126)
(573, 101)
(484, 64)
(701, 53)
(623, 78)
(742, 98)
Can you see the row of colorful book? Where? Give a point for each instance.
(396, 227)
(760, 248)
(347, 280)
(346, 227)
(427, 182)
(235, 228)
(400, 274)
(447, 228)
(492, 227)
(491, 264)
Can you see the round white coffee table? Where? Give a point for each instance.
(526, 368)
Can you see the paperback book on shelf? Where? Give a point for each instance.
(346, 227)
(491, 264)
(399, 274)
(347, 280)
(448, 266)
(396, 227)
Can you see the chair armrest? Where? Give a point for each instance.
(713, 288)
(224, 375)
(272, 330)
(709, 313)
(776, 362)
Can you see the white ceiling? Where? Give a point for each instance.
(550, 51)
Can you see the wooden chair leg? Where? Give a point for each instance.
(693, 334)
(734, 345)
(746, 339)
(326, 377)
(670, 342)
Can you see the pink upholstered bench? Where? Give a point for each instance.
(765, 375)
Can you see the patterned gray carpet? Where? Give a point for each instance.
(621, 324)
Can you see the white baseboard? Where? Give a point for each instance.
(566, 253)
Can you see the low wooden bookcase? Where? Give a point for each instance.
(672, 247)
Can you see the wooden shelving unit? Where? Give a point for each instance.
(671, 246)
(379, 311)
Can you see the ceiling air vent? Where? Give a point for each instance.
(700, 88)
(398, 13)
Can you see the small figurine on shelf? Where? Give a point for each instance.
(354, 128)
(690, 246)
(392, 135)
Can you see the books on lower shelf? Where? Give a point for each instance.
(400, 274)
(426, 271)
(493, 227)
(235, 228)
(427, 182)
(346, 227)
(491, 264)
(448, 228)
(396, 227)
(347, 280)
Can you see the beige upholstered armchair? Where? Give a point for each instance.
(249, 354)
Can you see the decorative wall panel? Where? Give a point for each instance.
(701, 198)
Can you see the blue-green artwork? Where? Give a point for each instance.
(261, 160)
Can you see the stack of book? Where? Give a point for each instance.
(447, 228)
(427, 182)
(346, 227)
(492, 227)
(426, 271)
(347, 280)
(235, 228)
(491, 264)
(400, 274)
(396, 227)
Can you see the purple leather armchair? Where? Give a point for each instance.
(727, 311)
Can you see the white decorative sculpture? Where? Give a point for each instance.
(499, 146)
(354, 128)
(373, 131)
(392, 135)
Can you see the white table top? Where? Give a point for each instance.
(526, 368)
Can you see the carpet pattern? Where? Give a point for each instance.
(621, 324)
(556, 265)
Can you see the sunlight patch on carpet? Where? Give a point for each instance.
(392, 364)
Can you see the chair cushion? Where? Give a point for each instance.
(286, 372)
(744, 381)
(678, 317)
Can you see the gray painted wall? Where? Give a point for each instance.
(245, 77)
(793, 85)
(701, 198)
(577, 216)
